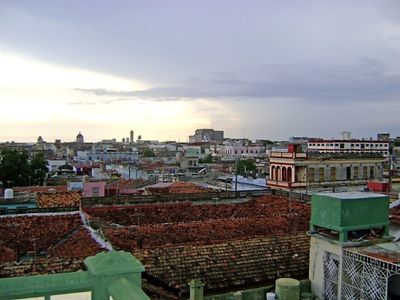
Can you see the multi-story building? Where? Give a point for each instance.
(242, 148)
(108, 155)
(207, 135)
(349, 146)
(296, 170)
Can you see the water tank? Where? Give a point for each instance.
(270, 296)
(8, 194)
(346, 135)
(287, 289)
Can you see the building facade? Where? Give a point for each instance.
(207, 135)
(349, 146)
(294, 170)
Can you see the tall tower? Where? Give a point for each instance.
(131, 136)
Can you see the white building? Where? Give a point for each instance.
(349, 146)
(108, 155)
(54, 164)
(242, 148)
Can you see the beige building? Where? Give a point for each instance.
(296, 170)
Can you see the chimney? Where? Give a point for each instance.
(196, 289)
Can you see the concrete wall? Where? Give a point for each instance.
(316, 270)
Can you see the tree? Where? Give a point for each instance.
(14, 168)
(38, 168)
(245, 167)
(206, 160)
(148, 153)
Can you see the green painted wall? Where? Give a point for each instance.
(345, 212)
(115, 273)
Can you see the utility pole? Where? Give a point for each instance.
(236, 174)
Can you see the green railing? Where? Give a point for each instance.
(115, 274)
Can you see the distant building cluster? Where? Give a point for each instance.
(215, 218)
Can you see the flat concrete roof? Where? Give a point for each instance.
(351, 195)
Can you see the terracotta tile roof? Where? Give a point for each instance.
(203, 232)
(59, 199)
(7, 254)
(227, 246)
(128, 184)
(41, 266)
(178, 187)
(186, 187)
(228, 265)
(78, 244)
(265, 206)
(53, 234)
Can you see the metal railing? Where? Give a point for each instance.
(33, 210)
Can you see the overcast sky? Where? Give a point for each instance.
(257, 69)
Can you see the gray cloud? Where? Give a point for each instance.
(366, 80)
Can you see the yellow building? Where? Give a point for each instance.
(296, 170)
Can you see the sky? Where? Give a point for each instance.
(260, 69)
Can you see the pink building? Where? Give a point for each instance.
(94, 189)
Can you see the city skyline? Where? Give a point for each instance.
(265, 69)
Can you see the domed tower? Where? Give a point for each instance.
(79, 138)
(40, 140)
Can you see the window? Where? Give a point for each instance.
(341, 146)
(365, 172)
(95, 191)
(348, 173)
(321, 174)
(355, 174)
(310, 175)
(362, 146)
(336, 145)
(333, 173)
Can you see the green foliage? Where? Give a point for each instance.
(148, 153)
(245, 167)
(17, 170)
(206, 160)
(38, 169)
(267, 142)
